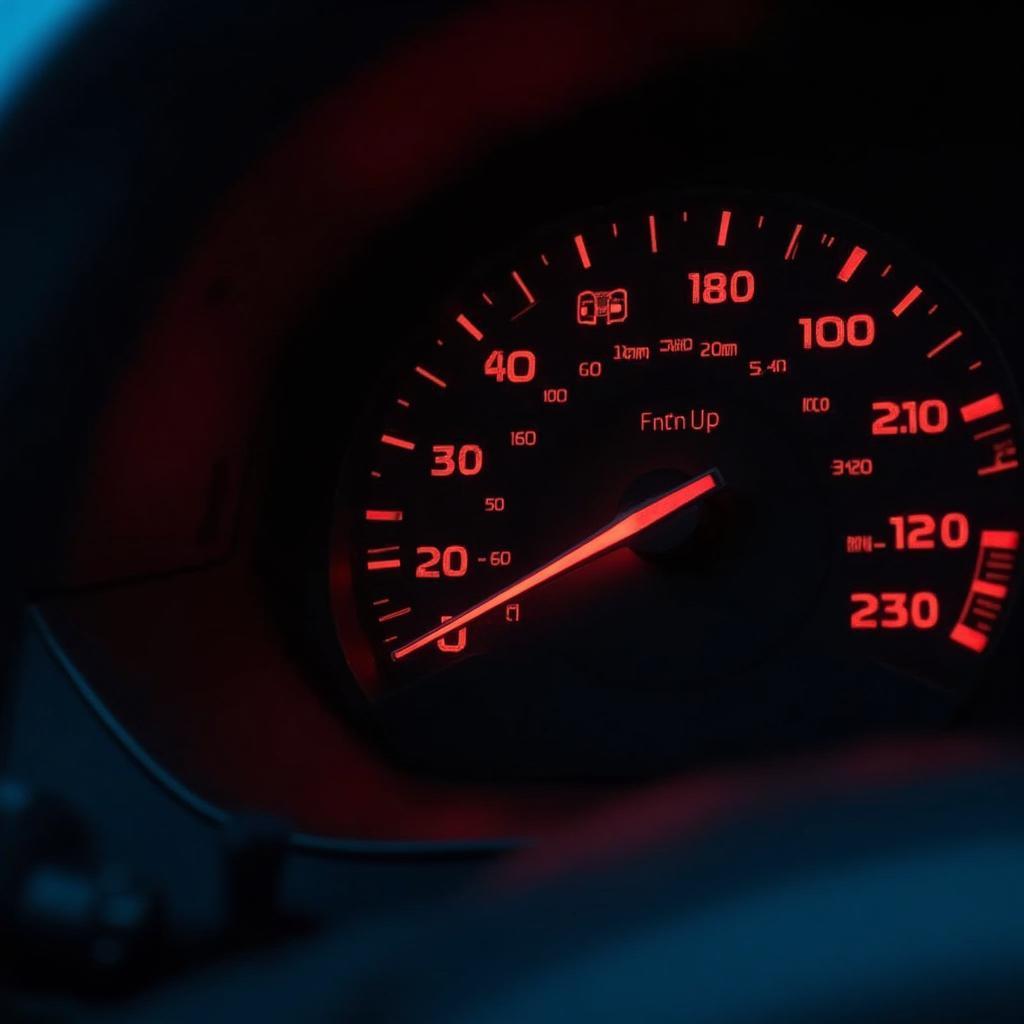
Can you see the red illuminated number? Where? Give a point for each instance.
(494, 504)
(522, 366)
(470, 459)
(466, 459)
(719, 349)
(453, 643)
(523, 438)
(556, 396)
(500, 558)
(715, 288)
(517, 367)
(814, 404)
(591, 369)
(916, 532)
(758, 367)
(924, 608)
(453, 561)
(895, 613)
(863, 617)
(953, 530)
(930, 416)
(835, 331)
(852, 467)
(894, 610)
(887, 422)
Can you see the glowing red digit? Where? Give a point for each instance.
(954, 530)
(444, 460)
(924, 610)
(863, 617)
(426, 569)
(932, 416)
(453, 643)
(518, 367)
(470, 460)
(886, 421)
(895, 614)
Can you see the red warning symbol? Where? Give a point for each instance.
(593, 308)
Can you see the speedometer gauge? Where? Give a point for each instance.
(713, 466)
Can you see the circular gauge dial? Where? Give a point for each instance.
(676, 444)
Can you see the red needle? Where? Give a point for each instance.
(627, 525)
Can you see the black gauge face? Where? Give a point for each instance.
(681, 451)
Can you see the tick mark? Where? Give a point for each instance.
(522, 287)
(469, 327)
(723, 228)
(907, 301)
(432, 377)
(955, 336)
(394, 615)
(853, 261)
(992, 431)
(581, 248)
(968, 637)
(378, 564)
(1004, 540)
(987, 406)
(793, 242)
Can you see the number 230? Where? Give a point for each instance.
(894, 610)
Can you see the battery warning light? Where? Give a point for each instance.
(593, 308)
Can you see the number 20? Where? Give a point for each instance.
(453, 561)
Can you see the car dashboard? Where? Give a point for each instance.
(440, 426)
